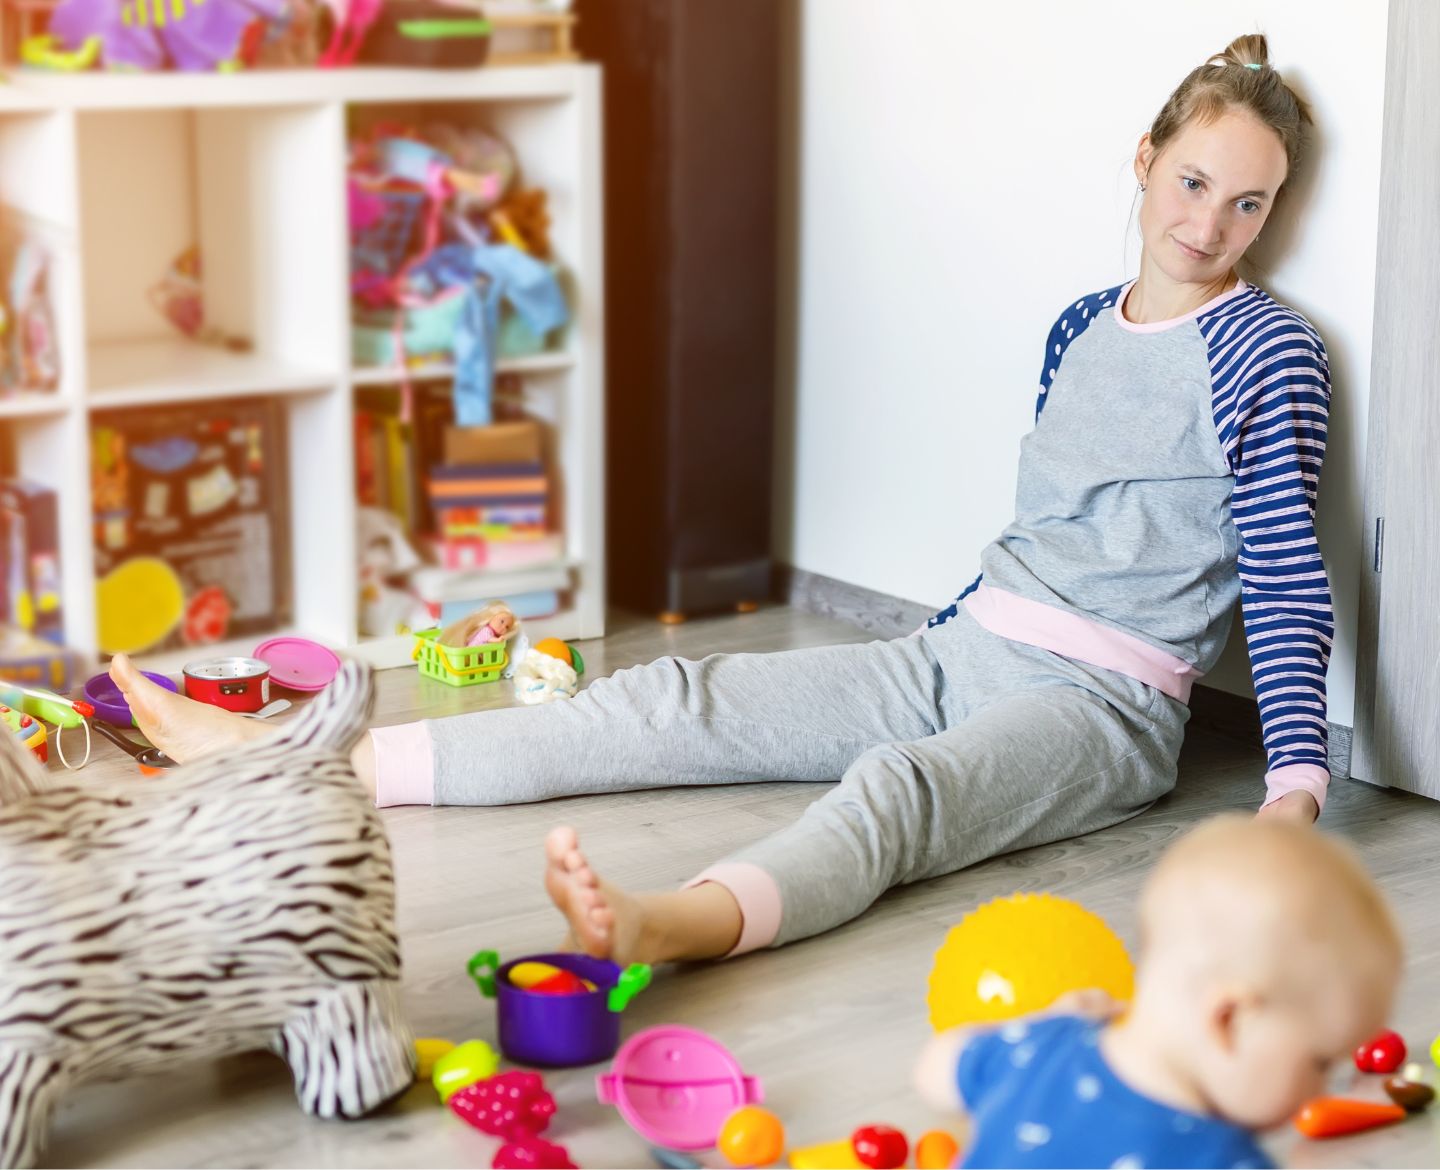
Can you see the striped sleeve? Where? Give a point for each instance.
(1271, 384)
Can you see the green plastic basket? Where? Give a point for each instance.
(459, 666)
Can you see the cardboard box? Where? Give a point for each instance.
(507, 442)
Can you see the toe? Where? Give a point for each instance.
(560, 842)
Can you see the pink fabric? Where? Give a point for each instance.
(1311, 778)
(1160, 326)
(759, 899)
(404, 765)
(1069, 634)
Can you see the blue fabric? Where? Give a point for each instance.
(1040, 1094)
(491, 274)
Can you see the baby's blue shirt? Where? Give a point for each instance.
(1040, 1094)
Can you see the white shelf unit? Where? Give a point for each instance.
(119, 173)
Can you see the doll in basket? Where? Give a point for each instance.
(491, 623)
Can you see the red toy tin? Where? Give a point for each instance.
(237, 684)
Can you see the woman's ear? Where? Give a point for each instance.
(1144, 156)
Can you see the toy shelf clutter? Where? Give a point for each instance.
(117, 175)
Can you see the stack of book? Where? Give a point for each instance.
(491, 499)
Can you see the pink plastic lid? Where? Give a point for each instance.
(298, 664)
(676, 1086)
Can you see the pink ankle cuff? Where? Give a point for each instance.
(759, 899)
(404, 765)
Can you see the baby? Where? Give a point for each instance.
(1266, 955)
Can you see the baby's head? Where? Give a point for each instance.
(1268, 954)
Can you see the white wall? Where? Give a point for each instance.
(959, 172)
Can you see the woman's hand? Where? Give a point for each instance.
(1297, 806)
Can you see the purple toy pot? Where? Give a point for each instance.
(559, 1031)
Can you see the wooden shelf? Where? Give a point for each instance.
(539, 363)
(41, 90)
(32, 404)
(149, 372)
(120, 173)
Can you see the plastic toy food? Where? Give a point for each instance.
(526, 975)
(1017, 955)
(556, 649)
(1381, 1054)
(751, 1136)
(532, 1153)
(871, 1147)
(829, 1156)
(880, 1147)
(427, 1051)
(1411, 1096)
(511, 1105)
(1334, 1116)
(470, 1062)
(562, 983)
(936, 1150)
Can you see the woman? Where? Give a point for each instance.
(1179, 434)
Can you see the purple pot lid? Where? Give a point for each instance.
(676, 1086)
(298, 664)
(109, 702)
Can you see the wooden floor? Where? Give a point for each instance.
(831, 1026)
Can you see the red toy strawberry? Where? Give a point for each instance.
(1381, 1054)
(532, 1153)
(511, 1105)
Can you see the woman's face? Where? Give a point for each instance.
(1207, 195)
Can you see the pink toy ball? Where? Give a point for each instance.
(675, 1087)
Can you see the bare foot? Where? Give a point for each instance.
(179, 726)
(605, 922)
(701, 921)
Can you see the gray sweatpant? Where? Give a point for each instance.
(950, 747)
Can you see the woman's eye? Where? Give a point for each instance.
(1191, 184)
(1249, 207)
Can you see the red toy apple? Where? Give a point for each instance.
(1381, 1054)
(879, 1147)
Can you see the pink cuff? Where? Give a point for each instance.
(759, 899)
(404, 765)
(1311, 778)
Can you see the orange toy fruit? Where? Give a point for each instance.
(1334, 1116)
(556, 649)
(935, 1150)
(751, 1136)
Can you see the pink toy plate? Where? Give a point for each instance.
(298, 664)
(676, 1086)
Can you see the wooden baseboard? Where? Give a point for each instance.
(1234, 716)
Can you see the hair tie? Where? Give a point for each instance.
(1253, 65)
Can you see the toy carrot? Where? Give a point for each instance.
(1333, 1116)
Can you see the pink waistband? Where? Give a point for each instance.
(1069, 634)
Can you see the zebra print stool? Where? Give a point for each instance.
(243, 901)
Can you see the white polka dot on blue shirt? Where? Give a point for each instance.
(1030, 1134)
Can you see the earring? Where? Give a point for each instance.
(1142, 186)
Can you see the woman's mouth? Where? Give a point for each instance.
(1193, 253)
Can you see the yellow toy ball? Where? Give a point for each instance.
(1018, 954)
